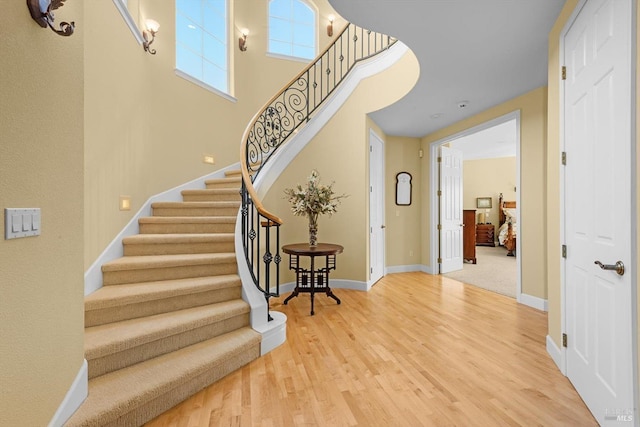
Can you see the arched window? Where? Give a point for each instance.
(202, 41)
(292, 28)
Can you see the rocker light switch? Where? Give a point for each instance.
(26, 222)
(16, 223)
(21, 223)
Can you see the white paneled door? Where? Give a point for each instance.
(376, 208)
(450, 210)
(598, 211)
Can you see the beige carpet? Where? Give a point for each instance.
(494, 271)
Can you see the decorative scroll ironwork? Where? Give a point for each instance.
(290, 109)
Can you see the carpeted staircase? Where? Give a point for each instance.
(170, 318)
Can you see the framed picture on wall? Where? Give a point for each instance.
(483, 202)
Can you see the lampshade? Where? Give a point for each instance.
(152, 25)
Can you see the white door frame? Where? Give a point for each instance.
(370, 281)
(433, 211)
(634, 202)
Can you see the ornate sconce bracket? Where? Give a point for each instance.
(42, 12)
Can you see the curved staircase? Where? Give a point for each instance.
(169, 319)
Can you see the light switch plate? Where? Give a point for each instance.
(21, 222)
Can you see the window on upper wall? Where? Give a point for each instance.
(292, 28)
(202, 41)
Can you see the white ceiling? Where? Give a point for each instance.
(496, 141)
(481, 51)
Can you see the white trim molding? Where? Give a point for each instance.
(76, 394)
(121, 5)
(557, 355)
(434, 214)
(534, 302)
(404, 268)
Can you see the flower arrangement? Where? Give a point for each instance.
(313, 200)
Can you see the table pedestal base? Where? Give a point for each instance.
(319, 287)
(312, 280)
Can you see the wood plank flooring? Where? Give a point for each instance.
(417, 350)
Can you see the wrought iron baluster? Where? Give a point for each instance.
(307, 100)
(348, 45)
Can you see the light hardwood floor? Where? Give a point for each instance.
(417, 350)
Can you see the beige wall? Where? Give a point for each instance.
(147, 129)
(340, 153)
(402, 238)
(41, 280)
(489, 178)
(533, 122)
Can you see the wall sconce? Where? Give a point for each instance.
(330, 26)
(242, 41)
(149, 35)
(42, 12)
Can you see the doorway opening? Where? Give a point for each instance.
(491, 162)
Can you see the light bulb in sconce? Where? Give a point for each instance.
(242, 41)
(149, 35)
(330, 26)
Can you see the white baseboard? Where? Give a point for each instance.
(77, 393)
(350, 284)
(535, 302)
(403, 268)
(557, 355)
(93, 275)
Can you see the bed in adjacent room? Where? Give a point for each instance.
(508, 226)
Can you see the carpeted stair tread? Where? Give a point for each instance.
(178, 243)
(133, 300)
(187, 224)
(143, 262)
(233, 173)
(187, 220)
(132, 293)
(151, 239)
(231, 181)
(212, 204)
(131, 396)
(191, 205)
(197, 208)
(120, 336)
(225, 191)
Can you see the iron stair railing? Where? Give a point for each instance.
(273, 125)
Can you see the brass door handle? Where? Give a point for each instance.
(618, 267)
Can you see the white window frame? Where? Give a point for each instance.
(316, 24)
(183, 74)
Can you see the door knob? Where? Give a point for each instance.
(383, 226)
(618, 267)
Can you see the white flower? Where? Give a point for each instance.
(313, 200)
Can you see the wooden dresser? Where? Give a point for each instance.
(485, 235)
(469, 235)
